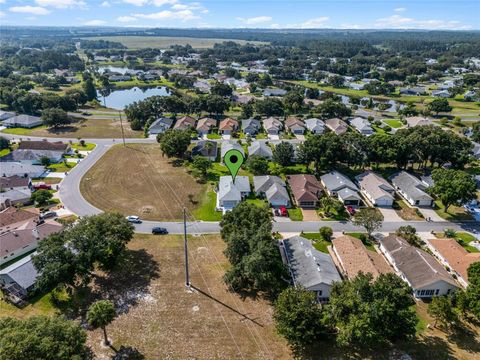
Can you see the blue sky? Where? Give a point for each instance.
(353, 14)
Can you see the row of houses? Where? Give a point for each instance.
(347, 257)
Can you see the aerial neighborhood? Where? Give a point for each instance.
(349, 217)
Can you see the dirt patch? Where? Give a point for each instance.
(310, 215)
(169, 322)
(138, 180)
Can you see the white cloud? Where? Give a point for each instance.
(125, 19)
(319, 22)
(400, 22)
(94, 22)
(35, 10)
(182, 15)
(159, 3)
(61, 4)
(2, 1)
(105, 4)
(400, 9)
(136, 2)
(255, 20)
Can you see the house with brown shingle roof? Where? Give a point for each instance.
(413, 121)
(227, 126)
(272, 125)
(12, 215)
(419, 269)
(205, 125)
(44, 145)
(305, 190)
(295, 125)
(184, 123)
(354, 258)
(337, 125)
(452, 254)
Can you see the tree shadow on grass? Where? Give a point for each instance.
(465, 338)
(62, 130)
(129, 282)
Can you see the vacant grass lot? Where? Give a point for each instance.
(164, 42)
(169, 322)
(138, 180)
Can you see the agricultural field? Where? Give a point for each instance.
(138, 180)
(164, 42)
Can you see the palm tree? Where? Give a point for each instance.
(99, 315)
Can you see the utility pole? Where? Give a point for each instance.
(121, 125)
(187, 275)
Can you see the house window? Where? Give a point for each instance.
(437, 291)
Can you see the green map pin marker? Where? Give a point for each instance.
(233, 159)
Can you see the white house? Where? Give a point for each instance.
(310, 268)
(260, 149)
(418, 268)
(411, 189)
(340, 186)
(315, 126)
(376, 189)
(362, 126)
(230, 193)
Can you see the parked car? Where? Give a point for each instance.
(159, 231)
(283, 211)
(48, 215)
(42, 186)
(134, 219)
(351, 210)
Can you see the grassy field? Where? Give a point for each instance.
(318, 242)
(455, 213)
(168, 322)
(393, 123)
(138, 180)
(101, 124)
(163, 42)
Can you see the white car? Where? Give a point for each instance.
(134, 219)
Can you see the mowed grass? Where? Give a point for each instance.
(138, 180)
(164, 42)
(169, 322)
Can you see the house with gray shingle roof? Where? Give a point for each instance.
(273, 188)
(309, 268)
(260, 148)
(230, 193)
(315, 126)
(206, 148)
(340, 186)
(160, 125)
(24, 121)
(251, 126)
(228, 145)
(362, 126)
(21, 276)
(411, 189)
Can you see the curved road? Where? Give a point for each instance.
(73, 200)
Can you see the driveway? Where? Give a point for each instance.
(310, 215)
(273, 137)
(390, 215)
(430, 214)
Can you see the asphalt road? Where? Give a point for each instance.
(73, 200)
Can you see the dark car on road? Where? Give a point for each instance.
(159, 231)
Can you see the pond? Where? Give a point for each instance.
(117, 69)
(118, 99)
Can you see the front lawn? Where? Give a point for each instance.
(62, 166)
(206, 211)
(318, 242)
(213, 136)
(393, 123)
(86, 147)
(23, 131)
(4, 152)
(258, 202)
(455, 213)
(295, 214)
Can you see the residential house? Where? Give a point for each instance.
(476, 150)
(411, 189)
(251, 126)
(205, 126)
(454, 256)
(336, 125)
(413, 121)
(274, 92)
(230, 193)
(184, 123)
(23, 121)
(376, 189)
(20, 169)
(470, 95)
(353, 258)
(32, 152)
(228, 126)
(206, 148)
(273, 188)
(160, 125)
(19, 278)
(12, 215)
(260, 148)
(305, 190)
(14, 190)
(339, 186)
(4, 115)
(309, 268)
(414, 91)
(295, 126)
(418, 268)
(272, 125)
(22, 237)
(59, 146)
(227, 145)
(119, 77)
(362, 126)
(441, 93)
(315, 126)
